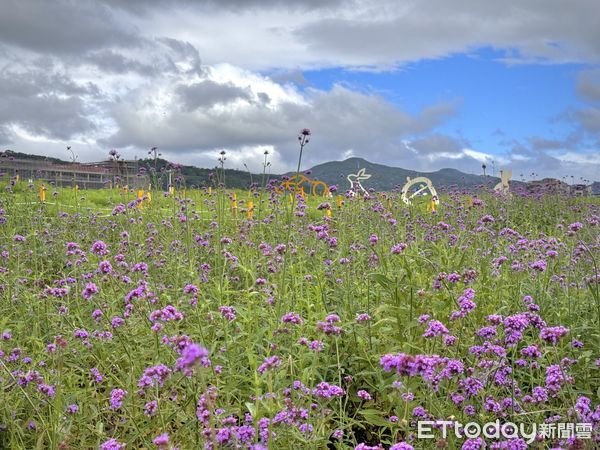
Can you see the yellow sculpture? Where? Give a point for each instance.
(295, 183)
(431, 205)
(140, 196)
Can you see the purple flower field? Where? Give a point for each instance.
(181, 324)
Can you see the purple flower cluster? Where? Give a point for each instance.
(328, 326)
(553, 334)
(192, 356)
(116, 398)
(435, 328)
(269, 363)
(292, 317)
(466, 304)
(228, 312)
(328, 391)
(154, 376)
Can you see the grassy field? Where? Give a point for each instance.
(180, 322)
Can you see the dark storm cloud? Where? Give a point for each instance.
(208, 93)
(588, 85)
(589, 118)
(61, 27)
(153, 58)
(540, 143)
(110, 61)
(518, 148)
(399, 32)
(465, 163)
(547, 164)
(139, 49)
(341, 120)
(182, 50)
(294, 5)
(295, 76)
(49, 116)
(33, 82)
(350, 120)
(5, 137)
(144, 6)
(48, 105)
(437, 143)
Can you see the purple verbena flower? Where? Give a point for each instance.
(553, 334)
(269, 363)
(191, 356)
(116, 398)
(112, 444)
(364, 395)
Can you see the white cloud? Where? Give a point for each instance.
(520, 158)
(384, 33)
(348, 153)
(580, 158)
(128, 74)
(484, 157)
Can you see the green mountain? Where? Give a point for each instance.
(385, 178)
(19, 155)
(202, 177)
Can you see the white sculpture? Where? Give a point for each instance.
(503, 187)
(425, 185)
(355, 178)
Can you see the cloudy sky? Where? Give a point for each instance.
(420, 84)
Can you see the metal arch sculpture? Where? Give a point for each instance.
(355, 181)
(504, 187)
(425, 184)
(295, 183)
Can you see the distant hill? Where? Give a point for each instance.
(387, 178)
(384, 178)
(197, 176)
(19, 155)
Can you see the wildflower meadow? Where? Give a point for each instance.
(260, 319)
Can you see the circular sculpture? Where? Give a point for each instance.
(424, 185)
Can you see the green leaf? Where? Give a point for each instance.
(383, 281)
(251, 408)
(374, 417)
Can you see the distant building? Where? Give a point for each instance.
(580, 190)
(554, 186)
(97, 175)
(548, 186)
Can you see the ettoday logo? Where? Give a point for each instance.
(426, 429)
